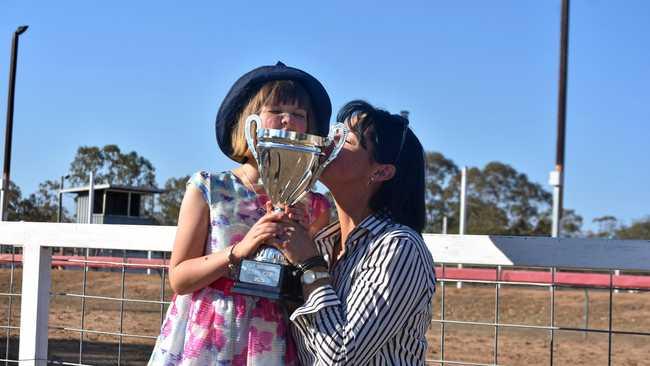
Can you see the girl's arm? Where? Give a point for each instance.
(189, 268)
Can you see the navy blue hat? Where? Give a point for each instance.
(249, 84)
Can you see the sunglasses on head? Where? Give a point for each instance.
(405, 126)
(403, 122)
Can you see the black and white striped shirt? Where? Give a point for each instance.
(379, 306)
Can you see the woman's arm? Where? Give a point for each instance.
(189, 269)
(392, 284)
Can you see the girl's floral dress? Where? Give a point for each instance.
(214, 326)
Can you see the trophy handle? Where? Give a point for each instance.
(341, 129)
(253, 118)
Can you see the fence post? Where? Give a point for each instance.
(34, 305)
(463, 210)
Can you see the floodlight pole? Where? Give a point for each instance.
(4, 183)
(557, 175)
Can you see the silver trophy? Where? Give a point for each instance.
(289, 164)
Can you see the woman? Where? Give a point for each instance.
(223, 219)
(369, 297)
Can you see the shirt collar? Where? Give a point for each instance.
(373, 224)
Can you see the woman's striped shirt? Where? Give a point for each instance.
(379, 306)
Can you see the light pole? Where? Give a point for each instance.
(4, 183)
(557, 176)
(60, 211)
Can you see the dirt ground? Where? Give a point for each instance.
(463, 343)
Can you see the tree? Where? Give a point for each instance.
(13, 201)
(571, 224)
(500, 200)
(485, 218)
(46, 203)
(607, 227)
(43, 205)
(30, 210)
(639, 230)
(439, 171)
(110, 165)
(170, 201)
(522, 200)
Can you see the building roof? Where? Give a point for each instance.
(114, 187)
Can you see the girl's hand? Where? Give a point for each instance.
(265, 230)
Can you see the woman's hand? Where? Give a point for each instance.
(265, 230)
(298, 213)
(295, 242)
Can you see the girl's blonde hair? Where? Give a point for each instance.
(272, 93)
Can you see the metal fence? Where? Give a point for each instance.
(9, 303)
(101, 317)
(592, 318)
(564, 309)
(101, 299)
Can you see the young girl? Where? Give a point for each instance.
(225, 217)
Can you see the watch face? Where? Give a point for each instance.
(308, 277)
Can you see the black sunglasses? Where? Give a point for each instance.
(404, 123)
(405, 127)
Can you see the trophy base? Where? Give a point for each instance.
(269, 280)
(251, 289)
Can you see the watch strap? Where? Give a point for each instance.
(311, 263)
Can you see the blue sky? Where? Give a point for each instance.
(479, 78)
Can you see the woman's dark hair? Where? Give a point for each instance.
(394, 143)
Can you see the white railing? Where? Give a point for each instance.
(524, 251)
(37, 239)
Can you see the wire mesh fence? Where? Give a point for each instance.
(515, 301)
(540, 316)
(107, 309)
(10, 280)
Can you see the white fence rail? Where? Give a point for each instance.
(36, 239)
(540, 251)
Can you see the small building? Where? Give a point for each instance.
(115, 204)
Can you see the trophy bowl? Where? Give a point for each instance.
(289, 164)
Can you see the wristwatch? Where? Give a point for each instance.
(310, 276)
